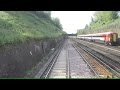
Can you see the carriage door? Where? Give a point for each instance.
(114, 37)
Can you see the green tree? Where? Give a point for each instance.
(102, 18)
(86, 26)
(105, 17)
(115, 14)
(43, 14)
(57, 23)
(48, 13)
(102, 21)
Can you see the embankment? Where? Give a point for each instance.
(17, 59)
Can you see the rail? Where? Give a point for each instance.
(106, 61)
(45, 71)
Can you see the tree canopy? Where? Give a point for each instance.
(57, 23)
(103, 18)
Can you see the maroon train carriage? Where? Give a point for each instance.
(108, 38)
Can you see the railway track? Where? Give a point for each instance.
(111, 49)
(45, 71)
(66, 63)
(72, 61)
(106, 56)
(98, 69)
(61, 68)
(116, 47)
(71, 65)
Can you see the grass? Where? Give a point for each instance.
(18, 26)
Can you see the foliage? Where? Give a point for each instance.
(18, 26)
(103, 21)
(102, 18)
(57, 23)
(43, 14)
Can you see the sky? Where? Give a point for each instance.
(73, 20)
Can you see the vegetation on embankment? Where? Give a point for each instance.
(103, 21)
(19, 26)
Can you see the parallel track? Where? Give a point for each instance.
(96, 74)
(113, 49)
(109, 63)
(99, 70)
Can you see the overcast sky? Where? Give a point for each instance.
(73, 20)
